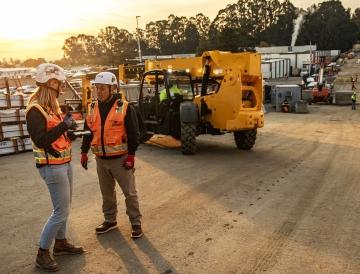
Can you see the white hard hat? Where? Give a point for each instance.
(48, 71)
(106, 78)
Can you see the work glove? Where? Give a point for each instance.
(84, 160)
(129, 162)
(71, 135)
(70, 122)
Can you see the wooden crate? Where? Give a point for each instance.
(15, 145)
(27, 143)
(13, 130)
(10, 101)
(12, 115)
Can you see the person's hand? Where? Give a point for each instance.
(84, 160)
(129, 162)
(71, 135)
(70, 122)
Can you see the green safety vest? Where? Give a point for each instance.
(173, 90)
(353, 97)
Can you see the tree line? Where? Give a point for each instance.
(244, 24)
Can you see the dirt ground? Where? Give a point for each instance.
(291, 205)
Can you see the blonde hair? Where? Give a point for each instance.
(46, 98)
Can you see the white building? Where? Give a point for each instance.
(300, 56)
(275, 68)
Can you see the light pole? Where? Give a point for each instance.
(138, 37)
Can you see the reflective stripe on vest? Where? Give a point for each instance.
(110, 150)
(115, 139)
(61, 145)
(42, 158)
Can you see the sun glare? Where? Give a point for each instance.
(25, 20)
(30, 23)
(39, 27)
(36, 19)
(20, 31)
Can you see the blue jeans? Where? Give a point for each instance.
(59, 180)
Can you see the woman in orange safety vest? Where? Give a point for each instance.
(52, 152)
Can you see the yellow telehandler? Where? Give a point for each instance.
(216, 93)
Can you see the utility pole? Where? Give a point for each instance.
(138, 38)
(310, 68)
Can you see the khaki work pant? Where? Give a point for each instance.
(108, 171)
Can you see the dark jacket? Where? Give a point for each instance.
(36, 126)
(131, 127)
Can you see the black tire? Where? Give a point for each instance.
(245, 139)
(188, 138)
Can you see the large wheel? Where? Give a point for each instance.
(245, 139)
(188, 138)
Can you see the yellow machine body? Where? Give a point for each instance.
(236, 102)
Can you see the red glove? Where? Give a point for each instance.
(129, 162)
(84, 160)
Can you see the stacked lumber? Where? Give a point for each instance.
(14, 137)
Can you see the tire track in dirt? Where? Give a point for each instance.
(225, 182)
(188, 210)
(267, 257)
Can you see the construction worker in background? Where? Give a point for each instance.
(353, 100)
(353, 83)
(285, 106)
(173, 89)
(114, 140)
(52, 151)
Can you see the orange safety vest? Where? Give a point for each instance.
(62, 144)
(114, 141)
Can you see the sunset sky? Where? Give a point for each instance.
(38, 28)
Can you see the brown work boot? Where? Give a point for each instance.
(105, 227)
(45, 262)
(136, 231)
(63, 247)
